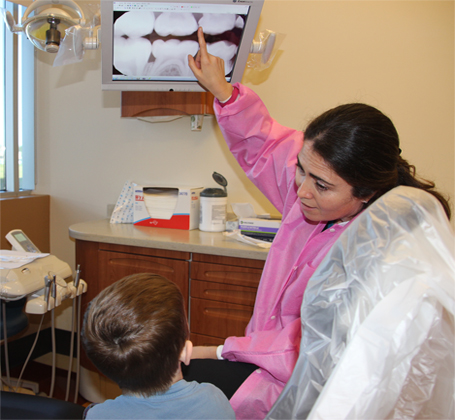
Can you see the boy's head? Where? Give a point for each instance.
(135, 332)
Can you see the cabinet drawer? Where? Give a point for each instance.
(223, 292)
(241, 276)
(151, 252)
(116, 265)
(218, 259)
(219, 319)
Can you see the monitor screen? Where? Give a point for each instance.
(145, 44)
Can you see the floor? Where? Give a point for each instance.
(41, 373)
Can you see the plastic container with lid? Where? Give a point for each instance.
(213, 201)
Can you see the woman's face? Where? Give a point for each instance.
(324, 196)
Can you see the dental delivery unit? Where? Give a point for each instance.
(25, 272)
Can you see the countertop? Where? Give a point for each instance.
(214, 243)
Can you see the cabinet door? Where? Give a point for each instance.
(219, 319)
(115, 265)
(87, 259)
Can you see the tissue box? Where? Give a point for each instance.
(167, 207)
(264, 229)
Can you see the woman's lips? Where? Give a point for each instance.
(306, 206)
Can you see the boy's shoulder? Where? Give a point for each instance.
(188, 400)
(206, 401)
(203, 388)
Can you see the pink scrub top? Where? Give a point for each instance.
(267, 152)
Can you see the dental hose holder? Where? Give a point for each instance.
(213, 206)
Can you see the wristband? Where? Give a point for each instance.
(232, 98)
(225, 101)
(219, 350)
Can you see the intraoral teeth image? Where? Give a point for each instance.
(149, 44)
(134, 24)
(171, 58)
(239, 23)
(177, 24)
(131, 55)
(224, 50)
(217, 23)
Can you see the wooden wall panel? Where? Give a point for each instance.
(31, 214)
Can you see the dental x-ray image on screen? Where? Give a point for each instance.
(156, 45)
(151, 41)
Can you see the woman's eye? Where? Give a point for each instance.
(321, 187)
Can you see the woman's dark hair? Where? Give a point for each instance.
(134, 332)
(362, 146)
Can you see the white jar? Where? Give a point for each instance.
(213, 204)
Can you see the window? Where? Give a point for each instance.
(17, 108)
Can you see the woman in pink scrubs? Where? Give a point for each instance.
(320, 180)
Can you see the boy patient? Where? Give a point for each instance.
(136, 333)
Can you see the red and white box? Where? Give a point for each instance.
(167, 207)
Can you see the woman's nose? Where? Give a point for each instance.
(304, 191)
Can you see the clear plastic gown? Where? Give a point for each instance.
(378, 319)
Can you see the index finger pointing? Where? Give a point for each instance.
(201, 40)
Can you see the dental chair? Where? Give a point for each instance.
(17, 405)
(27, 407)
(378, 319)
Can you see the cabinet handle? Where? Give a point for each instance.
(228, 313)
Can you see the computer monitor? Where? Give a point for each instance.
(145, 44)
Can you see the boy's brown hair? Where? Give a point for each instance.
(134, 332)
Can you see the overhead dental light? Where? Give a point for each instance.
(45, 22)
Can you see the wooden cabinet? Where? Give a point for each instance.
(219, 291)
(222, 295)
(103, 264)
(115, 265)
(146, 104)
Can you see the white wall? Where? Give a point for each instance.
(398, 56)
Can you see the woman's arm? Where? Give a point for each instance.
(275, 351)
(204, 352)
(265, 150)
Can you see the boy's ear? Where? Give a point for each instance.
(185, 356)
